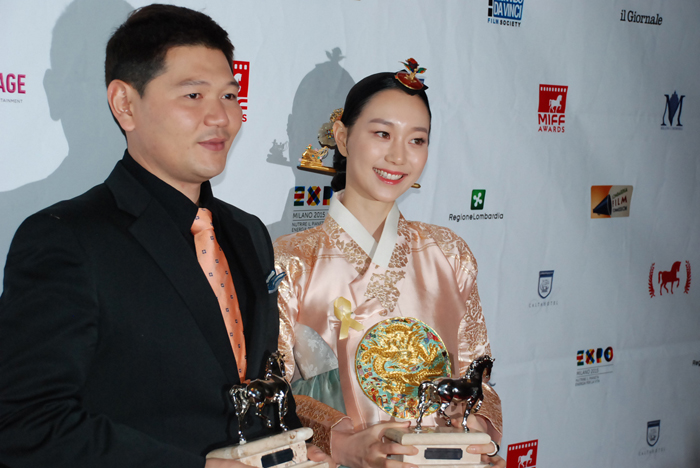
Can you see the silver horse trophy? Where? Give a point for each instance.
(287, 447)
(446, 446)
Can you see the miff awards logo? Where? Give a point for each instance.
(522, 455)
(669, 281)
(673, 104)
(241, 73)
(552, 109)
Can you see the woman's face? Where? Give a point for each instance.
(387, 147)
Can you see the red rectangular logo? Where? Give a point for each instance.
(522, 455)
(241, 73)
(553, 99)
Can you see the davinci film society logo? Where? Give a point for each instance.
(522, 455)
(505, 12)
(305, 214)
(11, 86)
(241, 73)
(477, 201)
(552, 108)
(667, 281)
(673, 104)
(592, 364)
(610, 201)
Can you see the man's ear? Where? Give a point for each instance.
(340, 133)
(120, 96)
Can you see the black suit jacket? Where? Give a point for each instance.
(113, 351)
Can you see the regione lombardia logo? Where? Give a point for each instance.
(241, 73)
(552, 109)
(478, 197)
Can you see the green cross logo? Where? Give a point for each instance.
(478, 197)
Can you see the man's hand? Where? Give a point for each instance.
(366, 449)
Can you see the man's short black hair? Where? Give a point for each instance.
(136, 51)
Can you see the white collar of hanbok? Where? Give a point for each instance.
(380, 252)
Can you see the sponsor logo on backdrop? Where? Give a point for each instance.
(310, 206)
(634, 17)
(669, 281)
(653, 436)
(544, 287)
(477, 203)
(545, 284)
(673, 104)
(696, 363)
(522, 455)
(505, 12)
(610, 201)
(592, 364)
(478, 198)
(241, 73)
(12, 85)
(653, 432)
(552, 109)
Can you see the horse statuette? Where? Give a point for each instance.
(444, 391)
(272, 389)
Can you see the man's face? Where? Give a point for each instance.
(187, 118)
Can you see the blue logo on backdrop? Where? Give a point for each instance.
(673, 104)
(506, 12)
(653, 430)
(544, 287)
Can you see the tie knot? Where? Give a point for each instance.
(202, 221)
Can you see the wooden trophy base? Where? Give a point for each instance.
(278, 451)
(440, 447)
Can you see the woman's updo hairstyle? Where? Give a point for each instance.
(355, 102)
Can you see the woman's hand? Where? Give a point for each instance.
(480, 424)
(366, 449)
(316, 454)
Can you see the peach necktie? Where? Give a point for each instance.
(213, 262)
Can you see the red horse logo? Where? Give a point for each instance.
(666, 277)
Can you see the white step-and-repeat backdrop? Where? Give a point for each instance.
(564, 149)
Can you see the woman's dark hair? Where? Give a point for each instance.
(355, 102)
(136, 51)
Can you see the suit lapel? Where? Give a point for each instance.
(243, 247)
(159, 236)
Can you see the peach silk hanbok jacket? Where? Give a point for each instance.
(415, 270)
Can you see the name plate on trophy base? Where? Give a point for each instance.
(277, 451)
(439, 447)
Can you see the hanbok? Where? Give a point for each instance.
(416, 270)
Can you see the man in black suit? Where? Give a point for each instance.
(113, 349)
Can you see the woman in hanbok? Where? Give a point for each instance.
(365, 264)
